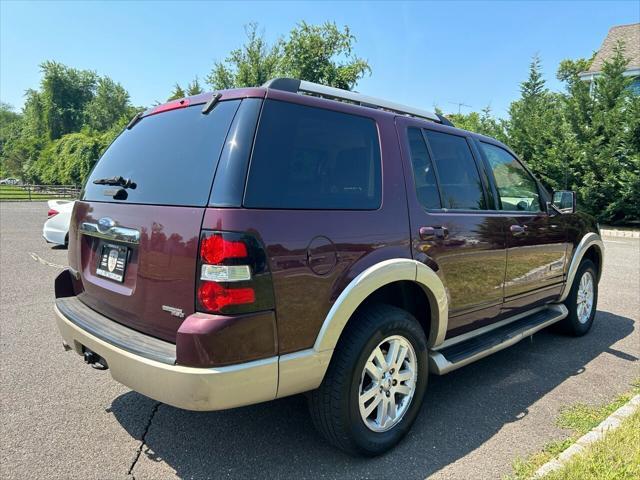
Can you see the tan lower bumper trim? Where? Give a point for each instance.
(190, 388)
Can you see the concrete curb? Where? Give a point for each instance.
(617, 232)
(610, 423)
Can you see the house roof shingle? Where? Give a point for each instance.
(630, 35)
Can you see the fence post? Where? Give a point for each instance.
(29, 190)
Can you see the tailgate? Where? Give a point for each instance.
(160, 271)
(134, 234)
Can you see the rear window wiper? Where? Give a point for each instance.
(116, 182)
(211, 103)
(134, 120)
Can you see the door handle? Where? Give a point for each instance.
(518, 229)
(430, 233)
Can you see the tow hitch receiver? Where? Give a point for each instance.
(93, 359)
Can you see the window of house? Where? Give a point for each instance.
(517, 189)
(311, 158)
(457, 173)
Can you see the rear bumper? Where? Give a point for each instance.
(54, 236)
(189, 388)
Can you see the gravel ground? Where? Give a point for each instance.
(62, 419)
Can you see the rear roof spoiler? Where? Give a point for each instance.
(301, 86)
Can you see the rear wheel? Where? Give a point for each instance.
(582, 300)
(374, 386)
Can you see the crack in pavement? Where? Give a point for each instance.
(142, 441)
(41, 260)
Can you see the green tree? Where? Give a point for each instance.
(194, 87)
(532, 129)
(64, 94)
(67, 120)
(27, 138)
(177, 93)
(110, 103)
(10, 130)
(483, 123)
(323, 54)
(69, 159)
(577, 102)
(316, 53)
(248, 66)
(35, 124)
(604, 126)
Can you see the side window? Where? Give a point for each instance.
(423, 173)
(457, 172)
(517, 189)
(311, 158)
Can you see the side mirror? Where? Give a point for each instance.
(564, 201)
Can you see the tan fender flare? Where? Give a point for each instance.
(589, 240)
(372, 279)
(304, 370)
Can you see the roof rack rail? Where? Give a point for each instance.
(293, 85)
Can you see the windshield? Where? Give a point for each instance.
(170, 158)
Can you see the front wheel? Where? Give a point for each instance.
(582, 301)
(373, 388)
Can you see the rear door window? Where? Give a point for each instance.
(311, 158)
(171, 157)
(457, 172)
(423, 173)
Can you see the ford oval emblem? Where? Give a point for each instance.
(105, 223)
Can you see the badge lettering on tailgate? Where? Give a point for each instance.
(176, 312)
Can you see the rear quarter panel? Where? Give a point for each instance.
(358, 239)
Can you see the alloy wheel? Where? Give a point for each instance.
(585, 297)
(387, 383)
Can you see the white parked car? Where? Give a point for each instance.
(9, 181)
(56, 228)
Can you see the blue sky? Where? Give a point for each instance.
(421, 53)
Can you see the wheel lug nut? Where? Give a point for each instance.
(388, 394)
(395, 382)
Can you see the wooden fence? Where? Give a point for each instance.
(28, 193)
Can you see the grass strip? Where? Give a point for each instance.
(580, 419)
(615, 457)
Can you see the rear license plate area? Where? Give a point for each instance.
(112, 261)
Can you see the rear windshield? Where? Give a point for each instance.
(171, 157)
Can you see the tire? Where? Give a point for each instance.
(335, 406)
(579, 321)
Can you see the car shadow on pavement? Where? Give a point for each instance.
(461, 411)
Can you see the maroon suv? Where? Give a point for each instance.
(242, 246)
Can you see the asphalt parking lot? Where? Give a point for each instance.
(62, 419)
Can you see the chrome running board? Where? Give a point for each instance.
(468, 348)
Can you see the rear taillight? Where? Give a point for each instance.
(214, 249)
(52, 213)
(233, 276)
(215, 297)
